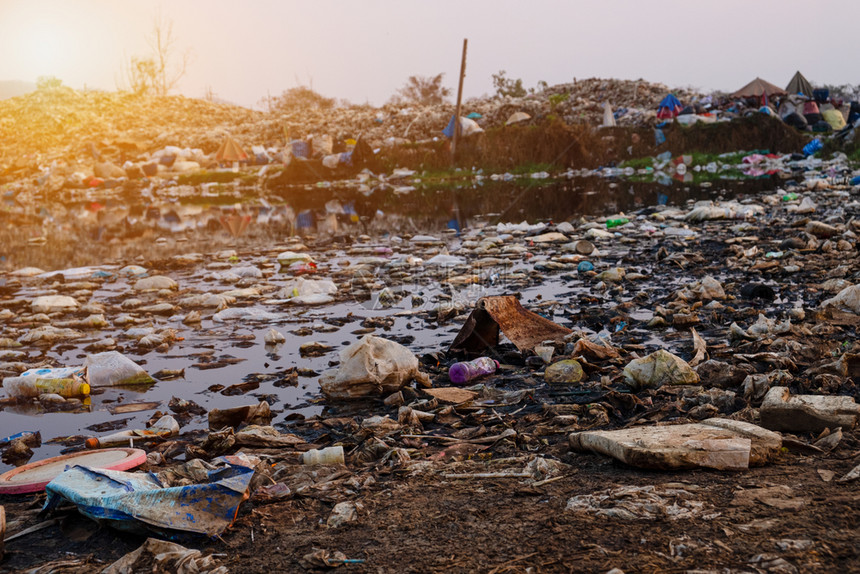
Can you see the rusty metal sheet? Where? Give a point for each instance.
(504, 313)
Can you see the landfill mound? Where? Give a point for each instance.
(56, 122)
(578, 102)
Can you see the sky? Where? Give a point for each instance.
(363, 51)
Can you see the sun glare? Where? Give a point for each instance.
(44, 48)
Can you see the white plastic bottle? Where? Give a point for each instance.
(329, 455)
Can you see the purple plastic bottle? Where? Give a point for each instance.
(464, 372)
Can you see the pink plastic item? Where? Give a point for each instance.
(34, 476)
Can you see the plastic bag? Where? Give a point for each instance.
(372, 366)
(657, 369)
(322, 145)
(112, 368)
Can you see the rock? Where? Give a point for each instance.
(721, 444)
(657, 369)
(565, 372)
(783, 411)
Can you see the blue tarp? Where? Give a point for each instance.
(136, 501)
(669, 107)
(448, 132)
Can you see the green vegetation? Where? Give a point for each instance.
(638, 162)
(48, 83)
(529, 168)
(508, 86)
(423, 90)
(556, 99)
(200, 177)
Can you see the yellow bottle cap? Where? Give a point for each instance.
(85, 389)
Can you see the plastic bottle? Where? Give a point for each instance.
(27, 436)
(164, 427)
(464, 372)
(790, 197)
(329, 455)
(610, 223)
(31, 387)
(812, 147)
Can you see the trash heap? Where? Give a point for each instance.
(717, 335)
(48, 132)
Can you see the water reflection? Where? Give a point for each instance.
(94, 231)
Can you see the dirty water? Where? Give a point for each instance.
(237, 347)
(91, 227)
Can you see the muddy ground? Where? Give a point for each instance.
(427, 523)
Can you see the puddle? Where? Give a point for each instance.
(237, 348)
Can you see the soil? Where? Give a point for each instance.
(423, 522)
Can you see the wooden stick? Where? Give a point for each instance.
(459, 99)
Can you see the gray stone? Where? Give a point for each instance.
(783, 411)
(721, 444)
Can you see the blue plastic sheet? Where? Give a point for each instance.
(448, 132)
(138, 502)
(300, 148)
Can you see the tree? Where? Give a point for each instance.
(44, 83)
(168, 69)
(141, 74)
(507, 86)
(424, 90)
(160, 72)
(300, 97)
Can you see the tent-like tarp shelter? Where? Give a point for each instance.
(669, 107)
(758, 88)
(231, 151)
(799, 85)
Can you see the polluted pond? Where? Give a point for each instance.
(401, 380)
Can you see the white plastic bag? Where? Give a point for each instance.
(112, 368)
(371, 366)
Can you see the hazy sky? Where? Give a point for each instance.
(364, 50)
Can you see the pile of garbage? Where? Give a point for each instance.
(715, 334)
(47, 132)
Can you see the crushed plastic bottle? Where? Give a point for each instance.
(610, 223)
(323, 456)
(163, 427)
(463, 372)
(66, 382)
(812, 147)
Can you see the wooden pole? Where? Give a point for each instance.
(459, 100)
